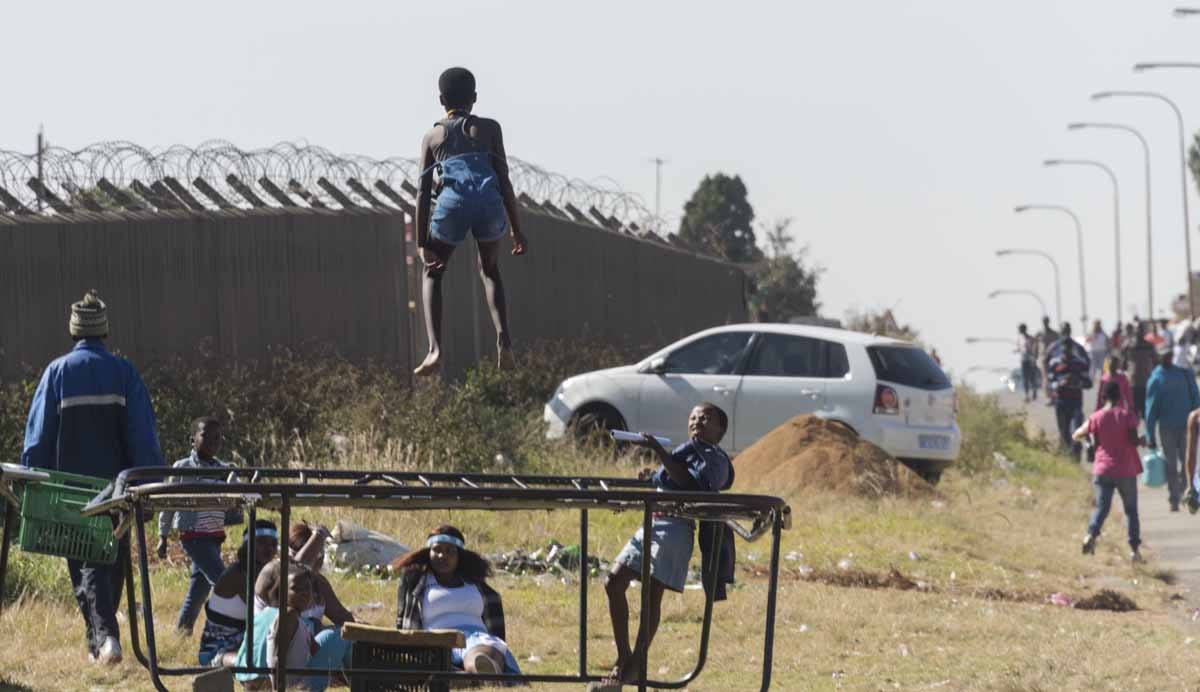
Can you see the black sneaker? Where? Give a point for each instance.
(1089, 544)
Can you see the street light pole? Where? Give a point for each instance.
(1020, 292)
(988, 340)
(1183, 170)
(1079, 239)
(1053, 265)
(1149, 224)
(1116, 213)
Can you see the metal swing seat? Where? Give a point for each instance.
(138, 493)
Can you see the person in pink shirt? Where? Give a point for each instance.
(1116, 468)
(1112, 373)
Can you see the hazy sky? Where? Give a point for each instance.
(896, 135)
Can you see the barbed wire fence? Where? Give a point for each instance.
(217, 175)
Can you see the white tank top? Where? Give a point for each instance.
(444, 608)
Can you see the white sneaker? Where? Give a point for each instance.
(110, 652)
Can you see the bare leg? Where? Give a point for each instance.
(431, 290)
(630, 671)
(493, 286)
(618, 611)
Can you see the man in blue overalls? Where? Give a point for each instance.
(474, 196)
(91, 415)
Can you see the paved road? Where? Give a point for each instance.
(1171, 539)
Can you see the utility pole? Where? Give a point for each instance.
(658, 164)
(41, 148)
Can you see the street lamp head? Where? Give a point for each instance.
(1076, 126)
(1186, 11)
(1002, 253)
(1049, 162)
(993, 294)
(1143, 66)
(1100, 95)
(1021, 207)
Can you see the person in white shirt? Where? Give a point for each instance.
(1097, 343)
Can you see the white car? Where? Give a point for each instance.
(889, 391)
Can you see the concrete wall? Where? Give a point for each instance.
(250, 280)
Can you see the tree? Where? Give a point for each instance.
(718, 219)
(785, 288)
(883, 323)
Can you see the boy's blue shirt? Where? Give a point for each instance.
(707, 464)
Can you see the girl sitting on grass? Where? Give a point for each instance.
(307, 545)
(443, 586)
(225, 611)
(292, 634)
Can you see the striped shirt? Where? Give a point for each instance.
(201, 523)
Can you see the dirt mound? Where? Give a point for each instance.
(809, 453)
(1107, 599)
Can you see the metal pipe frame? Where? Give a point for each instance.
(135, 493)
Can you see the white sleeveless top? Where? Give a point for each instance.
(444, 608)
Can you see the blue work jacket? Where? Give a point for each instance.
(91, 415)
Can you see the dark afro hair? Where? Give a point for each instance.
(1112, 391)
(457, 87)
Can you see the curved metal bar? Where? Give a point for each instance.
(564, 493)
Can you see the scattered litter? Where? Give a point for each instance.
(534, 658)
(1026, 491)
(353, 547)
(845, 564)
(802, 629)
(555, 558)
(1107, 599)
(1002, 462)
(1061, 599)
(793, 556)
(937, 504)
(913, 555)
(1188, 641)
(501, 459)
(904, 650)
(1196, 615)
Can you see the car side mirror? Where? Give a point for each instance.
(657, 366)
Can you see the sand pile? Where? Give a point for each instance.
(808, 453)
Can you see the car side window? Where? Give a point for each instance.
(718, 354)
(781, 355)
(837, 364)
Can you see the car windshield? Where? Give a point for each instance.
(908, 366)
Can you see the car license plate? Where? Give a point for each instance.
(938, 442)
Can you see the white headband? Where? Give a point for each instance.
(444, 538)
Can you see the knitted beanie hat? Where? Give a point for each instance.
(89, 317)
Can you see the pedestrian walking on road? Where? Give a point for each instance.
(1139, 360)
(1171, 396)
(1027, 347)
(474, 197)
(1114, 430)
(1067, 367)
(1046, 339)
(1097, 343)
(1112, 373)
(91, 415)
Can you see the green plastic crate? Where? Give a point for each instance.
(52, 525)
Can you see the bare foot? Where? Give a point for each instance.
(431, 365)
(505, 359)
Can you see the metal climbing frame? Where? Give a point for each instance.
(138, 493)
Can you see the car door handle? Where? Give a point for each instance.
(814, 393)
(721, 389)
